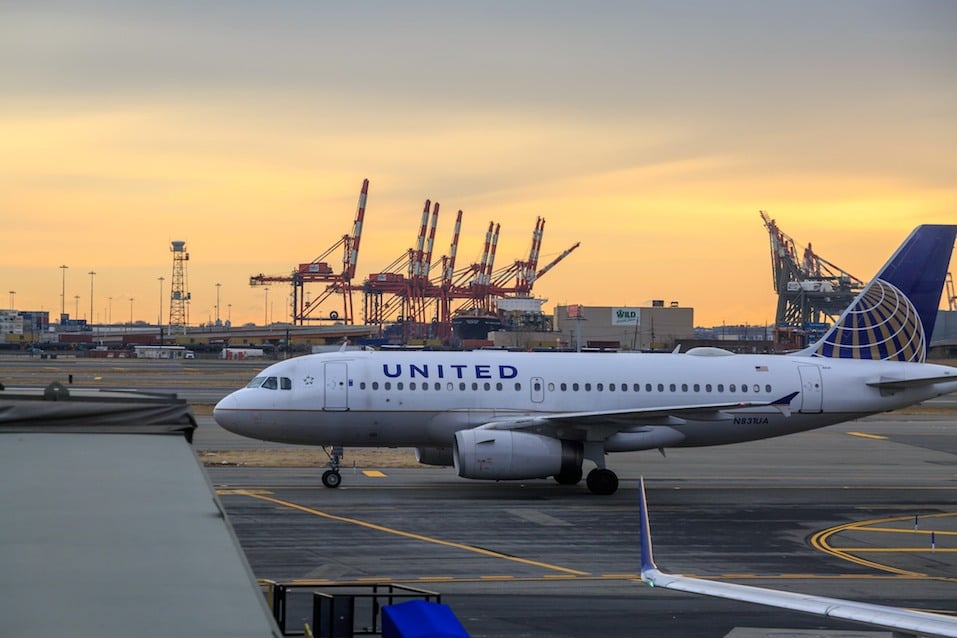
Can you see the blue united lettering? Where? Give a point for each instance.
(449, 371)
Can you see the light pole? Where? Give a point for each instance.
(109, 311)
(63, 292)
(217, 303)
(12, 304)
(229, 313)
(91, 273)
(131, 312)
(159, 319)
(76, 306)
(266, 309)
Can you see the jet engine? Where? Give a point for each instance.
(506, 454)
(434, 456)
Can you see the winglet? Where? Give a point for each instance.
(648, 566)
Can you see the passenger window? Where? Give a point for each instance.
(362, 386)
(518, 387)
(474, 386)
(587, 387)
(707, 387)
(767, 388)
(388, 385)
(398, 385)
(684, 387)
(671, 387)
(411, 385)
(449, 386)
(438, 386)
(575, 387)
(564, 387)
(498, 386)
(487, 386)
(744, 387)
(757, 388)
(537, 386)
(599, 387)
(661, 387)
(647, 387)
(636, 387)
(425, 386)
(721, 387)
(375, 385)
(731, 388)
(462, 386)
(551, 387)
(271, 383)
(697, 388)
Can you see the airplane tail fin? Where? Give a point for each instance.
(893, 317)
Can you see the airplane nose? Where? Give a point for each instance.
(225, 411)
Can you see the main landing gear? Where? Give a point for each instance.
(331, 477)
(601, 480)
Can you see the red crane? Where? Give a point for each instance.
(319, 271)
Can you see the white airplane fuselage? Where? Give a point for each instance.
(421, 399)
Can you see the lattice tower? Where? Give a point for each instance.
(179, 293)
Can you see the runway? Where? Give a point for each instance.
(830, 512)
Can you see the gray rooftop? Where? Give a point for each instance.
(118, 534)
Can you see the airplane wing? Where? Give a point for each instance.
(901, 621)
(617, 420)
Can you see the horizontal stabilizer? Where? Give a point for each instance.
(900, 384)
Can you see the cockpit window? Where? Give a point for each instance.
(271, 383)
(255, 383)
(285, 383)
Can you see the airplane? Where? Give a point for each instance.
(522, 415)
(903, 622)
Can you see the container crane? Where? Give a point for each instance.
(319, 271)
(810, 289)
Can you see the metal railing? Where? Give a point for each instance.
(336, 610)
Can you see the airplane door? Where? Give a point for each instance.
(336, 375)
(811, 391)
(538, 390)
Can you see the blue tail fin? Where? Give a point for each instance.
(893, 317)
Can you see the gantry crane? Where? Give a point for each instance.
(424, 295)
(810, 289)
(319, 271)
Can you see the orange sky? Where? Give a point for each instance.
(650, 132)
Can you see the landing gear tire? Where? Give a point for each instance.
(331, 478)
(601, 481)
(569, 477)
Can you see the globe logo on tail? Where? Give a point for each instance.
(881, 324)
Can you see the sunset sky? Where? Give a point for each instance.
(651, 132)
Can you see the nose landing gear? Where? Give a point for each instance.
(331, 477)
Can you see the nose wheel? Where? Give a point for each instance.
(331, 477)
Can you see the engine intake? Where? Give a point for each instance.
(506, 454)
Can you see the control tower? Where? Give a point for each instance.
(179, 292)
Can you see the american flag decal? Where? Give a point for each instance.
(760, 368)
